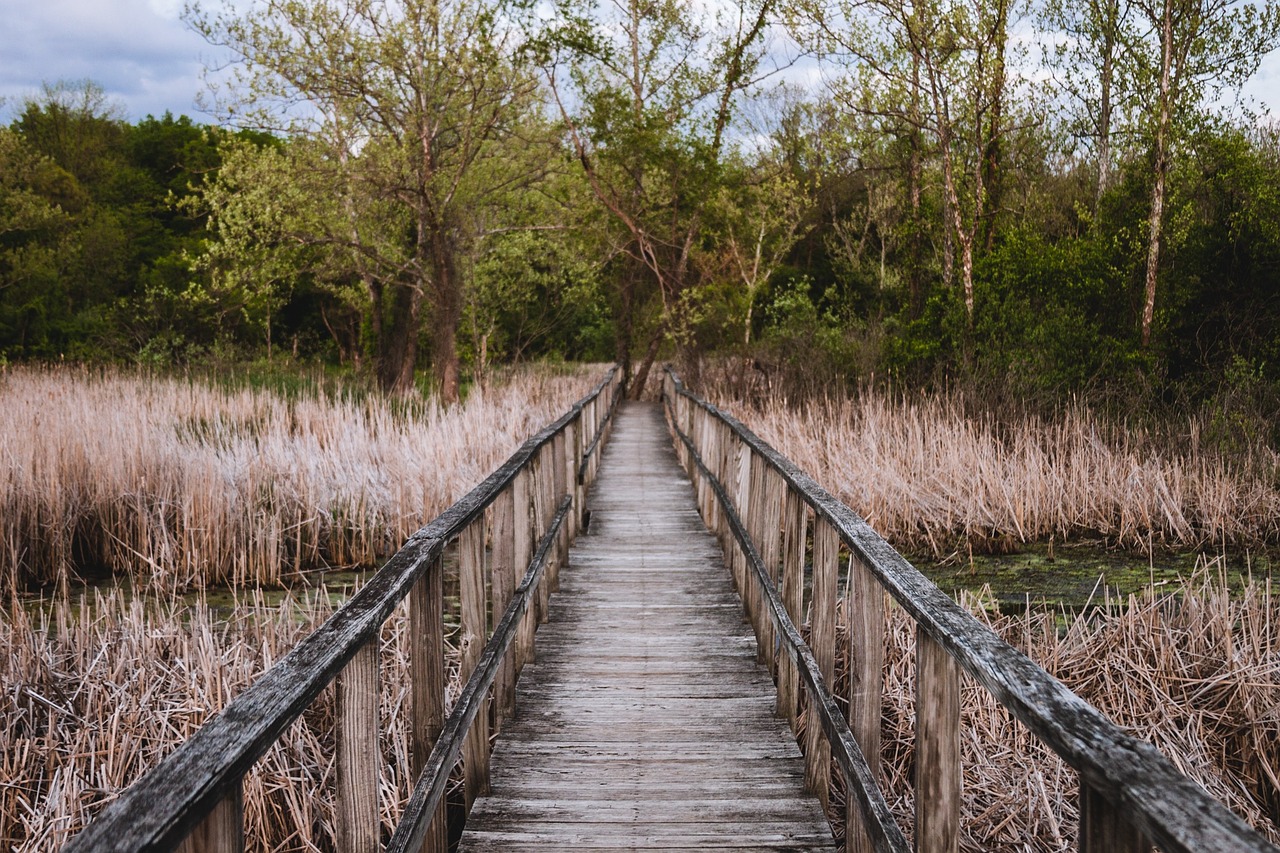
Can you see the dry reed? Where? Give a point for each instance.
(1196, 671)
(96, 692)
(929, 477)
(175, 482)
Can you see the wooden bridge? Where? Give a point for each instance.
(648, 713)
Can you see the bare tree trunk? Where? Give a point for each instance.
(445, 316)
(1160, 170)
(398, 346)
(993, 153)
(1106, 80)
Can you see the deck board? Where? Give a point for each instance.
(645, 722)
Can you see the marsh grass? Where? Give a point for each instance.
(96, 691)
(934, 476)
(1195, 670)
(181, 483)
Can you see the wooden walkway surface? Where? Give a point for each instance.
(645, 722)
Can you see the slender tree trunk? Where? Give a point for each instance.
(446, 314)
(915, 273)
(993, 153)
(398, 346)
(1160, 170)
(1106, 81)
(650, 356)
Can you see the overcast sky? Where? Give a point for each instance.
(148, 61)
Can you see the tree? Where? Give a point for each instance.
(1193, 48)
(647, 90)
(407, 111)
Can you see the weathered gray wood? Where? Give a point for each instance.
(223, 830)
(937, 748)
(428, 792)
(885, 834)
(866, 684)
(523, 552)
(359, 823)
(474, 635)
(822, 640)
(426, 684)
(504, 575)
(794, 533)
(645, 696)
(1170, 809)
(1104, 829)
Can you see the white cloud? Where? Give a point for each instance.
(139, 51)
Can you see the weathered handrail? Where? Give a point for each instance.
(192, 798)
(1131, 794)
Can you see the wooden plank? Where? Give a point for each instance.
(522, 553)
(795, 530)
(504, 576)
(645, 721)
(866, 613)
(1103, 827)
(358, 824)
(822, 640)
(426, 684)
(474, 630)
(937, 748)
(223, 830)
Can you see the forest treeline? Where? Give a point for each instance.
(1028, 200)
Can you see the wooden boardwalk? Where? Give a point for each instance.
(645, 722)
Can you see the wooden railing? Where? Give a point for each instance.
(765, 510)
(192, 800)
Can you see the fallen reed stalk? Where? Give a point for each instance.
(179, 483)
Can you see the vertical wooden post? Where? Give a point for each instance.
(865, 608)
(359, 755)
(578, 444)
(474, 633)
(737, 486)
(559, 488)
(522, 554)
(756, 521)
(543, 486)
(822, 640)
(1103, 828)
(775, 490)
(794, 533)
(505, 578)
(426, 684)
(223, 830)
(937, 748)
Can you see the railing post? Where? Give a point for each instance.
(1103, 828)
(937, 748)
(559, 488)
(359, 754)
(755, 522)
(505, 578)
(522, 551)
(775, 490)
(794, 533)
(223, 830)
(822, 641)
(737, 486)
(866, 684)
(474, 634)
(543, 486)
(426, 683)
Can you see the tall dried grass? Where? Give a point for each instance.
(94, 693)
(1196, 671)
(180, 483)
(929, 476)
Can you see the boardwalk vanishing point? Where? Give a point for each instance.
(645, 721)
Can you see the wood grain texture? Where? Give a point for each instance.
(1104, 829)
(475, 633)
(358, 822)
(222, 831)
(937, 748)
(866, 684)
(645, 722)
(822, 639)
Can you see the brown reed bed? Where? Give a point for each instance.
(933, 477)
(95, 691)
(1195, 670)
(181, 483)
